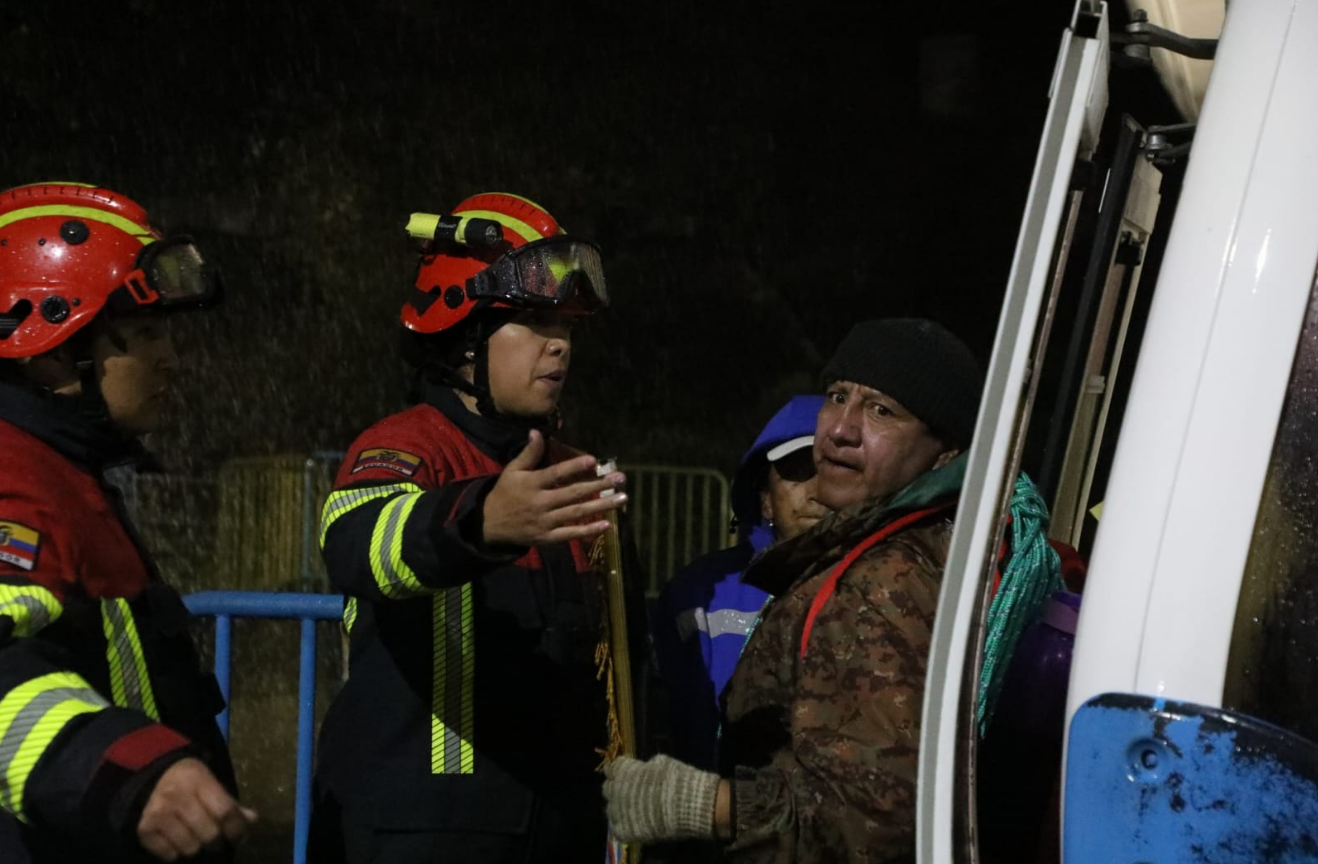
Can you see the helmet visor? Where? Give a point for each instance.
(175, 269)
(554, 273)
(170, 274)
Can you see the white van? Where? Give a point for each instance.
(1157, 355)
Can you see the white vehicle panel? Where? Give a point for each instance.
(1178, 517)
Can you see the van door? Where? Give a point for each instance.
(945, 810)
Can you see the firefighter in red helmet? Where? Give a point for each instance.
(108, 743)
(459, 529)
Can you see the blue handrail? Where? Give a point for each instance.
(224, 606)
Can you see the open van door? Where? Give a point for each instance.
(1146, 350)
(945, 812)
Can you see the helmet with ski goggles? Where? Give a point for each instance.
(498, 251)
(69, 251)
(554, 273)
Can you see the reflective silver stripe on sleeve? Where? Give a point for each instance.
(344, 500)
(720, 622)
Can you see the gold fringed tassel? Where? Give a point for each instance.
(604, 669)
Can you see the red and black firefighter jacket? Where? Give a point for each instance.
(100, 687)
(472, 697)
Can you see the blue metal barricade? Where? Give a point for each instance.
(224, 606)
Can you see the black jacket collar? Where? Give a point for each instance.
(57, 422)
(499, 439)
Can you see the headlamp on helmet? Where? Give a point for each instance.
(434, 230)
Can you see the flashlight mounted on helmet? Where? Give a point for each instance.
(434, 230)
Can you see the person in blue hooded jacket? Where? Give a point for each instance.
(705, 613)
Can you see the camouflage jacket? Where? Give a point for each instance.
(823, 748)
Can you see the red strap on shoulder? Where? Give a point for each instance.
(830, 584)
(1003, 550)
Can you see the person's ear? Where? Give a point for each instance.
(53, 370)
(766, 505)
(945, 457)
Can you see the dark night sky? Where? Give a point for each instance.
(760, 176)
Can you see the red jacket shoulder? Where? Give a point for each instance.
(419, 445)
(42, 496)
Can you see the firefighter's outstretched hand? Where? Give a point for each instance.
(530, 506)
(188, 811)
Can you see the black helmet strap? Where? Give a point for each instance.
(442, 366)
(90, 400)
(478, 345)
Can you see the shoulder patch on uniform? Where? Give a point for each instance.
(19, 545)
(394, 460)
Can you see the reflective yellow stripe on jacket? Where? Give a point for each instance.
(349, 615)
(392, 575)
(31, 715)
(129, 682)
(453, 664)
(31, 608)
(452, 720)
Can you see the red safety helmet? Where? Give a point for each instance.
(68, 251)
(498, 251)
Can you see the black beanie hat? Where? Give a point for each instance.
(919, 363)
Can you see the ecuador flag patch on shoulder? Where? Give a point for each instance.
(392, 460)
(19, 545)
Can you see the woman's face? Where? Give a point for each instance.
(528, 362)
(789, 499)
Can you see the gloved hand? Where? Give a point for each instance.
(659, 799)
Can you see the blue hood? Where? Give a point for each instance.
(793, 420)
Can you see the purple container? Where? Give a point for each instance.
(1033, 698)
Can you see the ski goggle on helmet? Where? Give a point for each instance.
(556, 272)
(68, 251)
(170, 273)
(497, 250)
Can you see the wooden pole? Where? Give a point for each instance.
(617, 664)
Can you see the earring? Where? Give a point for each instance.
(470, 355)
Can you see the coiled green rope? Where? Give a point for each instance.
(1031, 574)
